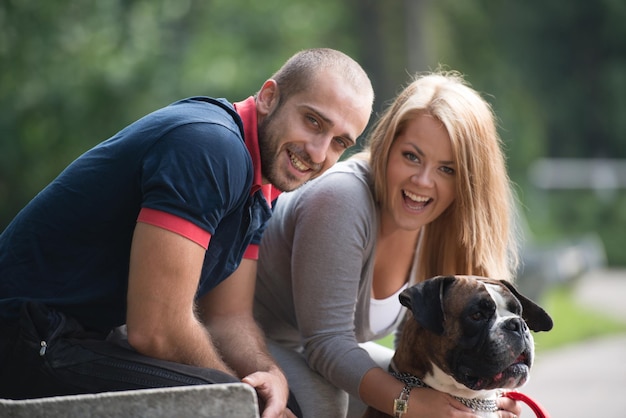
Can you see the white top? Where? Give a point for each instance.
(384, 312)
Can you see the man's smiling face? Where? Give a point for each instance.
(304, 135)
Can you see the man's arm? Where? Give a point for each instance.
(163, 278)
(227, 313)
(162, 322)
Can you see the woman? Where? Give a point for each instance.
(429, 196)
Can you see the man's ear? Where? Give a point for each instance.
(425, 301)
(267, 97)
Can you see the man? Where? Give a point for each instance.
(149, 229)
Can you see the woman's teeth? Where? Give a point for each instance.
(415, 198)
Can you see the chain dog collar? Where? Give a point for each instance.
(400, 405)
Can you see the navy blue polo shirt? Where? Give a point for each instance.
(185, 166)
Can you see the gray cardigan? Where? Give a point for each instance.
(315, 273)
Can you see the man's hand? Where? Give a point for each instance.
(272, 389)
(227, 313)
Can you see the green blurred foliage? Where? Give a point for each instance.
(556, 70)
(73, 73)
(574, 213)
(573, 322)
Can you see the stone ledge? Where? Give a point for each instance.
(231, 400)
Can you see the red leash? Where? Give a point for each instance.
(537, 409)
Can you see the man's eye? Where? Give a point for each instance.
(342, 142)
(313, 121)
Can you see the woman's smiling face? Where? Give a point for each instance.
(421, 174)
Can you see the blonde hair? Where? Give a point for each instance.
(476, 234)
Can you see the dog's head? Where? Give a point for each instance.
(474, 330)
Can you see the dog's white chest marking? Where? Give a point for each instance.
(443, 382)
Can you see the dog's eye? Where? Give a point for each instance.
(477, 316)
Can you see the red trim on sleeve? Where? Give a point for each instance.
(252, 252)
(175, 224)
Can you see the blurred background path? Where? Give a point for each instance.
(586, 379)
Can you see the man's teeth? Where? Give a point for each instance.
(297, 163)
(416, 198)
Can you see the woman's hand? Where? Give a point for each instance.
(426, 402)
(508, 408)
(432, 403)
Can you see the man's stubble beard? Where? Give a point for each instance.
(269, 149)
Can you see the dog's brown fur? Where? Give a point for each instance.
(419, 348)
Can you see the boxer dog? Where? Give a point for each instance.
(469, 337)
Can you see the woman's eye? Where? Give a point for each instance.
(410, 156)
(448, 170)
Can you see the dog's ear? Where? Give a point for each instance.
(534, 315)
(425, 302)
